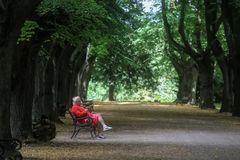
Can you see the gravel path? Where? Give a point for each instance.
(152, 131)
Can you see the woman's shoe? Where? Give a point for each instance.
(106, 128)
(101, 137)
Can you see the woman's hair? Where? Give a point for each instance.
(76, 99)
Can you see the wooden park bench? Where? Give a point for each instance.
(83, 123)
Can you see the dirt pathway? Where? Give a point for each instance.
(147, 132)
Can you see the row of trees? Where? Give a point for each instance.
(183, 40)
(47, 50)
(13, 14)
(200, 33)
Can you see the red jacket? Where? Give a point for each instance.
(79, 111)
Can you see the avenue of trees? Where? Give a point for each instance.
(206, 31)
(51, 49)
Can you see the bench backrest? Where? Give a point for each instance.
(88, 121)
(73, 117)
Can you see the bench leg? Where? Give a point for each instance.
(75, 132)
(93, 132)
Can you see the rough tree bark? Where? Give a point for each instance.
(22, 85)
(38, 101)
(76, 62)
(199, 55)
(87, 76)
(44, 100)
(63, 74)
(231, 10)
(43, 114)
(187, 86)
(187, 78)
(212, 27)
(23, 73)
(13, 13)
(84, 74)
(206, 70)
(111, 92)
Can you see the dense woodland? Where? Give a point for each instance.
(51, 49)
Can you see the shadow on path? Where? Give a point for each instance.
(150, 131)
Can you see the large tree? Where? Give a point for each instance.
(193, 46)
(51, 56)
(230, 11)
(12, 16)
(213, 18)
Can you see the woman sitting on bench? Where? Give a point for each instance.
(80, 111)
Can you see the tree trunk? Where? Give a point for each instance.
(231, 11)
(12, 17)
(222, 60)
(81, 78)
(8, 38)
(29, 92)
(212, 26)
(236, 88)
(23, 73)
(202, 57)
(42, 113)
(206, 70)
(227, 97)
(60, 97)
(88, 74)
(187, 76)
(84, 79)
(6, 51)
(44, 86)
(85, 75)
(39, 108)
(49, 103)
(62, 60)
(76, 62)
(236, 58)
(20, 113)
(111, 92)
(187, 83)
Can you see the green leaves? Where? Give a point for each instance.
(27, 31)
(135, 62)
(85, 20)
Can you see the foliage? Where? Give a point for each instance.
(77, 21)
(27, 31)
(138, 63)
(121, 64)
(165, 92)
(82, 19)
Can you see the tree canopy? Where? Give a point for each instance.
(51, 50)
